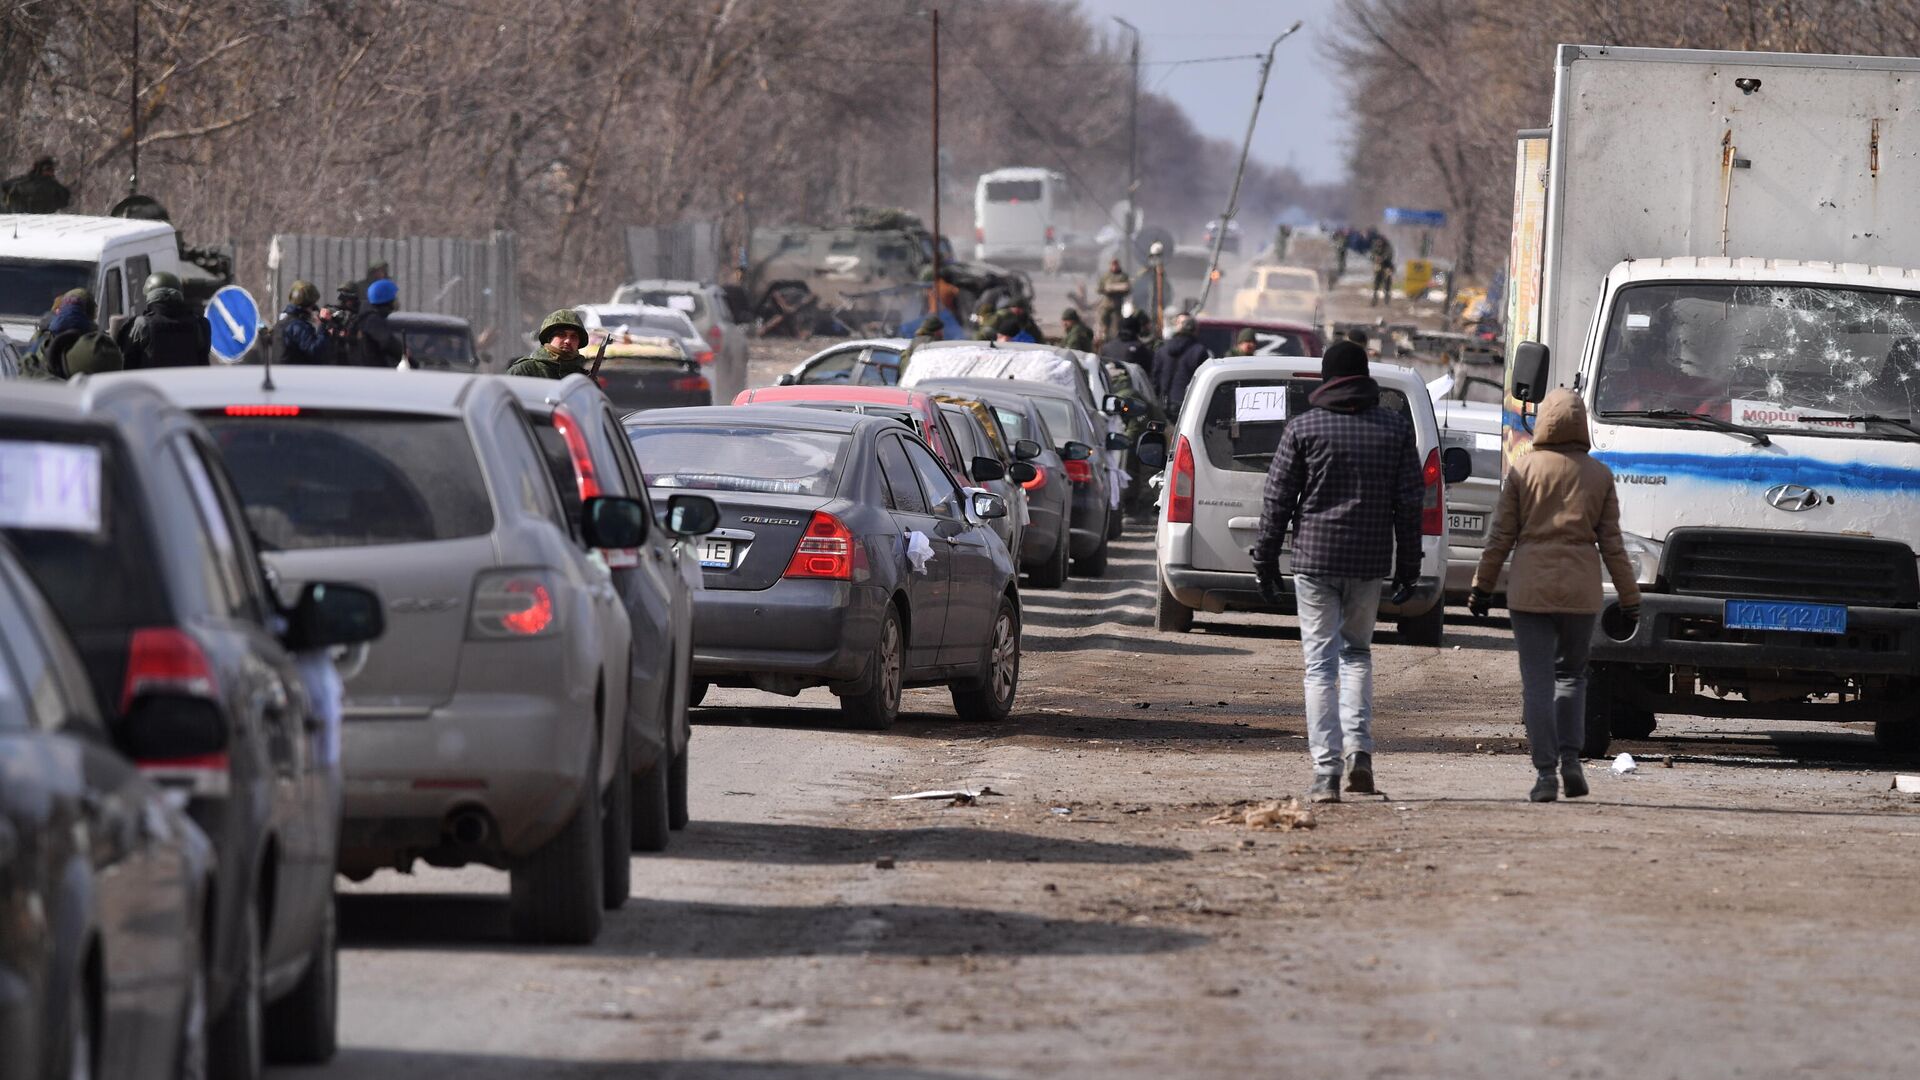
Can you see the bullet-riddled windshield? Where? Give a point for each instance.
(1780, 357)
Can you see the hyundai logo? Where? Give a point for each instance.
(1792, 497)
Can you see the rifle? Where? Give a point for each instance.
(600, 354)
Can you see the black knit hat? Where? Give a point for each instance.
(1343, 360)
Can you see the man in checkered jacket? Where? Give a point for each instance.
(1346, 476)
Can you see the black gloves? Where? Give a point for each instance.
(1267, 576)
(1630, 613)
(1402, 592)
(1479, 603)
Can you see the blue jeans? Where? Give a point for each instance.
(1336, 636)
(1553, 682)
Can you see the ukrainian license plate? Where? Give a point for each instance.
(1780, 615)
(716, 554)
(1467, 523)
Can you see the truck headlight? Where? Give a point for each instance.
(1645, 554)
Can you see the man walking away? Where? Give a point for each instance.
(1382, 271)
(35, 191)
(1560, 517)
(168, 332)
(297, 338)
(380, 344)
(1175, 363)
(1075, 334)
(1346, 476)
(1115, 287)
(560, 337)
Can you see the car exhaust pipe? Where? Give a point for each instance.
(468, 827)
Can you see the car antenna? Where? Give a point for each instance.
(266, 373)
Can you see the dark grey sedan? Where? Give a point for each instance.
(847, 556)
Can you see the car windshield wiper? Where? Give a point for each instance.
(1682, 416)
(1901, 422)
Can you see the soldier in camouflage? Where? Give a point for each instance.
(1075, 334)
(561, 336)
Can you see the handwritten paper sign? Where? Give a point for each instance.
(681, 303)
(1251, 403)
(49, 485)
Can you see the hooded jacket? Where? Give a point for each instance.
(169, 333)
(1173, 368)
(1559, 516)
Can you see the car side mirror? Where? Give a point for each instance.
(1124, 408)
(1530, 366)
(612, 521)
(331, 613)
(787, 379)
(1151, 449)
(1118, 441)
(987, 506)
(1456, 464)
(164, 726)
(1022, 472)
(986, 468)
(1026, 450)
(1075, 451)
(691, 515)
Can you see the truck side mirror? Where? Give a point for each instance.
(1530, 365)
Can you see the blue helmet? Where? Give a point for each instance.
(383, 291)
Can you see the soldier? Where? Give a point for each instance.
(1075, 334)
(297, 338)
(168, 332)
(35, 191)
(1246, 342)
(380, 344)
(561, 335)
(931, 329)
(1017, 307)
(1114, 290)
(1382, 254)
(71, 342)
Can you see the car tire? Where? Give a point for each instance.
(236, 1041)
(989, 696)
(616, 836)
(677, 816)
(653, 805)
(1095, 564)
(1054, 574)
(696, 693)
(1116, 524)
(877, 706)
(1170, 616)
(1427, 629)
(303, 1028)
(555, 893)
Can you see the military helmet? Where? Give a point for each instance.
(1246, 336)
(303, 294)
(160, 279)
(564, 319)
(1070, 315)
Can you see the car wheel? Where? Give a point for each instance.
(1054, 574)
(1095, 564)
(303, 1027)
(696, 693)
(236, 1042)
(878, 706)
(653, 805)
(555, 893)
(1116, 524)
(677, 816)
(1427, 629)
(616, 836)
(990, 696)
(1170, 616)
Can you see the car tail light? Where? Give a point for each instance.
(1039, 479)
(715, 336)
(692, 384)
(1049, 234)
(705, 356)
(163, 659)
(825, 550)
(263, 410)
(513, 605)
(578, 451)
(1079, 472)
(1433, 515)
(1180, 483)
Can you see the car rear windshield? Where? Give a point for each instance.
(1236, 445)
(692, 303)
(334, 479)
(1058, 413)
(28, 287)
(70, 507)
(767, 460)
(438, 349)
(1266, 342)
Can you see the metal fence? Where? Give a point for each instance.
(689, 251)
(473, 279)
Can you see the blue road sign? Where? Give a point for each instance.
(1429, 219)
(235, 321)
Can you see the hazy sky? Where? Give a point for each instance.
(1301, 122)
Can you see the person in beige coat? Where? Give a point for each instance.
(1560, 518)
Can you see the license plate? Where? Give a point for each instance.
(716, 554)
(1467, 523)
(1780, 615)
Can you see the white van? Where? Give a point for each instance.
(1216, 479)
(44, 255)
(1013, 216)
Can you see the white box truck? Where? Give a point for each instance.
(1717, 250)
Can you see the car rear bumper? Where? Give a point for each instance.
(1220, 590)
(1688, 631)
(521, 759)
(813, 631)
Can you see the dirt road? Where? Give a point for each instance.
(1744, 912)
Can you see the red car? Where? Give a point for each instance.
(912, 408)
(1277, 337)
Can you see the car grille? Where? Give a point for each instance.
(1812, 567)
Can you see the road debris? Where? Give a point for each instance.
(1907, 784)
(1624, 764)
(961, 796)
(884, 862)
(1284, 814)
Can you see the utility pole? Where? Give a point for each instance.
(1233, 198)
(933, 289)
(1133, 147)
(133, 102)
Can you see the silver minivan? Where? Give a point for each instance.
(1216, 476)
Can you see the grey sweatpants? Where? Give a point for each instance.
(1553, 682)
